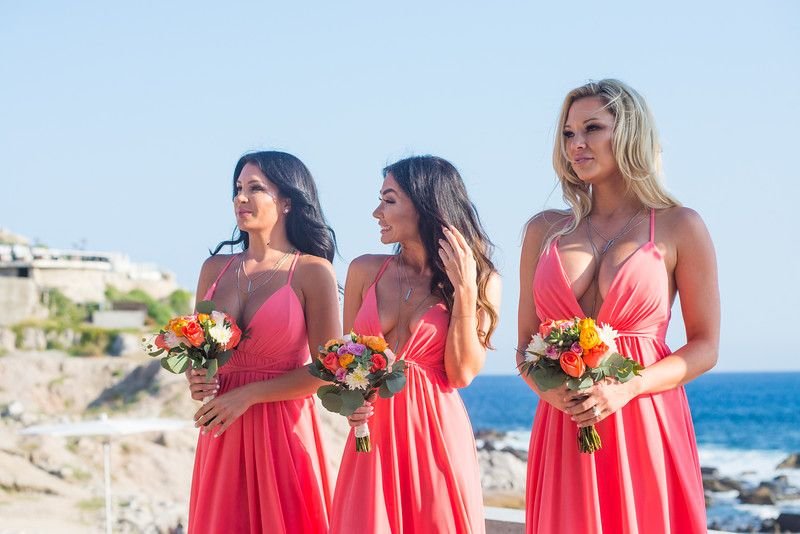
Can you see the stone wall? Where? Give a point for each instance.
(20, 299)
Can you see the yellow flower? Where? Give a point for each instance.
(177, 325)
(589, 338)
(375, 343)
(331, 342)
(346, 359)
(202, 317)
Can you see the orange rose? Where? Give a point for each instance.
(593, 356)
(236, 335)
(375, 343)
(572, 364)
(203, 317)
(346, 359)
(378, 363)
(194, 333)
(332, 342)
(546, 327)
(331, 362)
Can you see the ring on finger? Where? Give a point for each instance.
(595, 411)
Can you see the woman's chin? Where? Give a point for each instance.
(386, 239)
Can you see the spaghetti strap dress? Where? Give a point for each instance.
(267, 472)
(422, 474)
(646, 478)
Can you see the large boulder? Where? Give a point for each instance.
(788, 522)
(761, 495)
(791, 462)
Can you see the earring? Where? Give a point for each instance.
(285, 210)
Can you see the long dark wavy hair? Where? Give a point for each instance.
(306, 227)
(440, 198)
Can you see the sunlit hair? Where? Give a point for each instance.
(438, 193)
(636, 147)
(306, 227)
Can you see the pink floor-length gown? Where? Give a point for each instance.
(646, 478)
(422, 474)
(267, 472)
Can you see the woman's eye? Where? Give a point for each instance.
(592, 127)
(568, 134)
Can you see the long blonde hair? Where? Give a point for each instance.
(636, 147)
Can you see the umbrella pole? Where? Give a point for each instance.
(107, 479)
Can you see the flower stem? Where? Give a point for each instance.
(589, 440)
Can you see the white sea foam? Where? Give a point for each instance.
(750, 466)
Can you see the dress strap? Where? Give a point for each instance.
(652, 224)
(210, 292)
(382, 270)
(291, 269)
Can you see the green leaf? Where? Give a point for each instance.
(175, 364)
(224, 356)
(548, 377)
(395, 382)
(314, 370)
(159, 352)
(212, 365)
(331, 401)
(585, 382)
(329, 388)
(206, 306)
(399, 366)
(351, 401)
(384, 392)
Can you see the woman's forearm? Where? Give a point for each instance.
(680, 367)
(295, 384)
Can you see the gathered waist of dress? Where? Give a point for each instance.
(426, 367)
(231, 369)
(658, 335)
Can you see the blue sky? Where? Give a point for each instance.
(121, 124)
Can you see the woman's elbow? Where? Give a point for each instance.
(461, 379)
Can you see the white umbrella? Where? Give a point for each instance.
(107, 428)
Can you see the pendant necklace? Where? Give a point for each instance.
(599, 254)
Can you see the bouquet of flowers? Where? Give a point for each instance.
(204, 340)
(357, 366)
(578, 353)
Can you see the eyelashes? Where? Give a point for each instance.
(591, 128)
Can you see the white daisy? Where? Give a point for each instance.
(357, 379)
(220, 333)
(607, 334)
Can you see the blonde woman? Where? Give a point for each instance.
(621, 254)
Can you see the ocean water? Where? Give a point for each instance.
(746, 424)
(736, 411)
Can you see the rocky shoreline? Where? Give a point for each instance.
(52, 484)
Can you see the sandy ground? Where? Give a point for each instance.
(55, 484)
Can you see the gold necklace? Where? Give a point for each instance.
(255, 283)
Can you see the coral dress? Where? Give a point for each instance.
(646, 478)
(267, 471)
(422, 474)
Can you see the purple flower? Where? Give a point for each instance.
(551, 352)
(356, 349)
(576, 348)
(341, 373)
